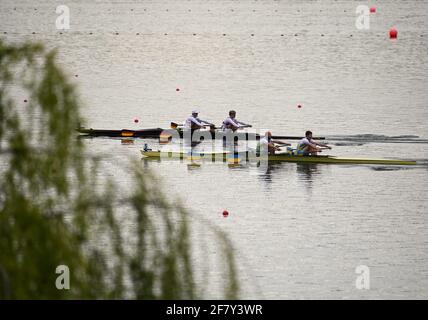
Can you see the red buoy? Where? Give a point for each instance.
(177, 89)
(136, 120)
(25, 100)
(299, 106)
(373, 10)
(393, 33)
(225, 213)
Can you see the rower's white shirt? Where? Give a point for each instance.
(263, 145)
(230, 122)
(264, 142)
(192, 119)
(305, 142)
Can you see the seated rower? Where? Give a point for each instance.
(194, 123)
(266, 143)
(309, 146)
(232, 124)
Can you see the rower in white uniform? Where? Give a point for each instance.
(267, 144)
(308, 146)
(231, 123)
(194, 123)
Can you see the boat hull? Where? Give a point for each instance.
(144, 133)
(273, 158)
(168, 133)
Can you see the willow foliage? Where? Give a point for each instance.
(54, 210)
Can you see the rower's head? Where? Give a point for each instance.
(195, 113)
(268, 135)
(232, 113)
(308, 134)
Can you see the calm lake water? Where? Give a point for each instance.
(299, 231)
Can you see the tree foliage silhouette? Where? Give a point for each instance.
(55, 209)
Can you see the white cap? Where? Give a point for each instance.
(195, 111)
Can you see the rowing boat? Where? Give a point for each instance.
(143, 133)
(280, 157)
(168, 133)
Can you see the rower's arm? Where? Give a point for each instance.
(281, 142)
(272, 146)
(235, 124)
(195, 121)
(321, 144)
(242, 124)
(204, 121)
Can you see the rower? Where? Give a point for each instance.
(309, 146)
(266, 143)
(232, 124)
(194, 123)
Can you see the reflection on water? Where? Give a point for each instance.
(308, 171)
(268, 174)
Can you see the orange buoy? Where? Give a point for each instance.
(225, 213)
(393, 33)
(373, 9)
